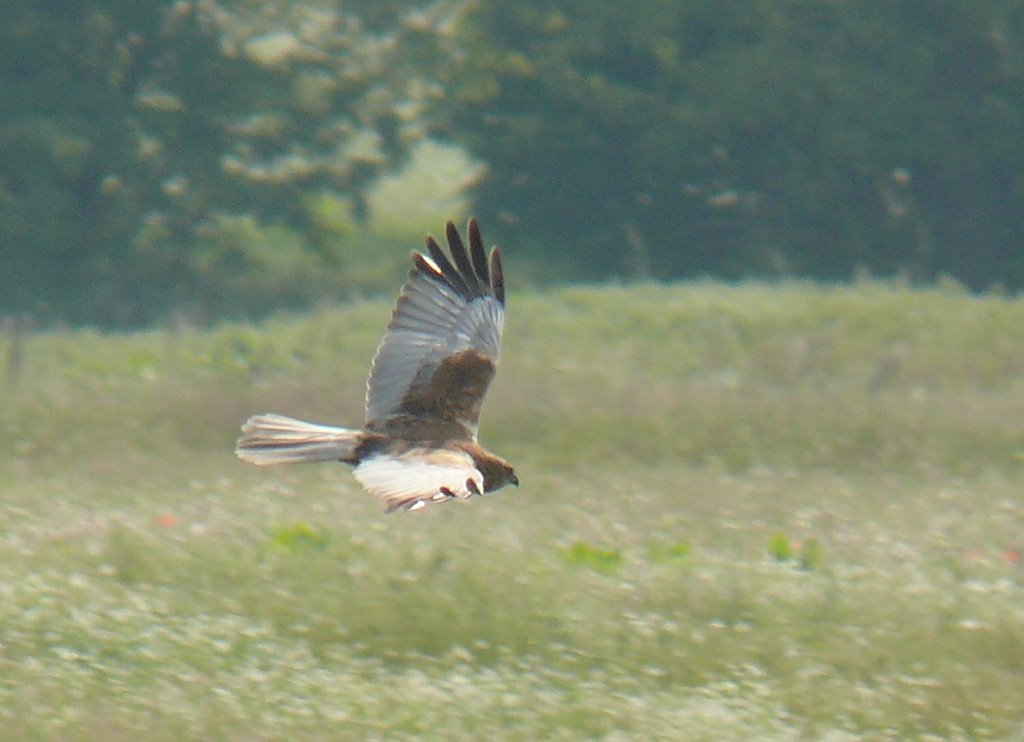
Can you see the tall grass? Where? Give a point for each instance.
(754, 512)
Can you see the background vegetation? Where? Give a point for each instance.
(750, 511)
(771, 513)
(226, 157)
(809, 138)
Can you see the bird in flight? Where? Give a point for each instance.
(426, 386)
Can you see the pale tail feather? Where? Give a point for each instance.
(268, 440)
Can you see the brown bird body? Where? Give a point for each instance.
(426, 388)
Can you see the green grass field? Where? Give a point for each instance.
(758, 512)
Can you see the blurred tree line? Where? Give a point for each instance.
(232, 156)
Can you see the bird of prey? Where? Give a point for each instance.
(426, 386)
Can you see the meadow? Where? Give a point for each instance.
(771, 512)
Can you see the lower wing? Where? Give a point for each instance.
(411, 479)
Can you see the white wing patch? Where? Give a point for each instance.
(411, 480)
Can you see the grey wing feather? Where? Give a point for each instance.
(446, 307)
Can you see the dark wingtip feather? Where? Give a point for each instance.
(423, 266)
(458, 250)
(435, 251)
(448, 271)
(497, 276)
(470, 275)
(477, 252)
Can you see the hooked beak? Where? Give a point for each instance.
(514, 480)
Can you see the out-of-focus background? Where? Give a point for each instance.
(762, 381)
(234, 156)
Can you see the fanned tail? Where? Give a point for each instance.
(268, 440)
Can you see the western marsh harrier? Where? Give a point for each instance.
(424, 393)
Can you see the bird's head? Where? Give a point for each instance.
(497, 473)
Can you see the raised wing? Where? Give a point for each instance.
(408, 481)
(440, 351)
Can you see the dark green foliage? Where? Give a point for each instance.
(219, 159)
(808, 138)
(143, 143)
(65, 78)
